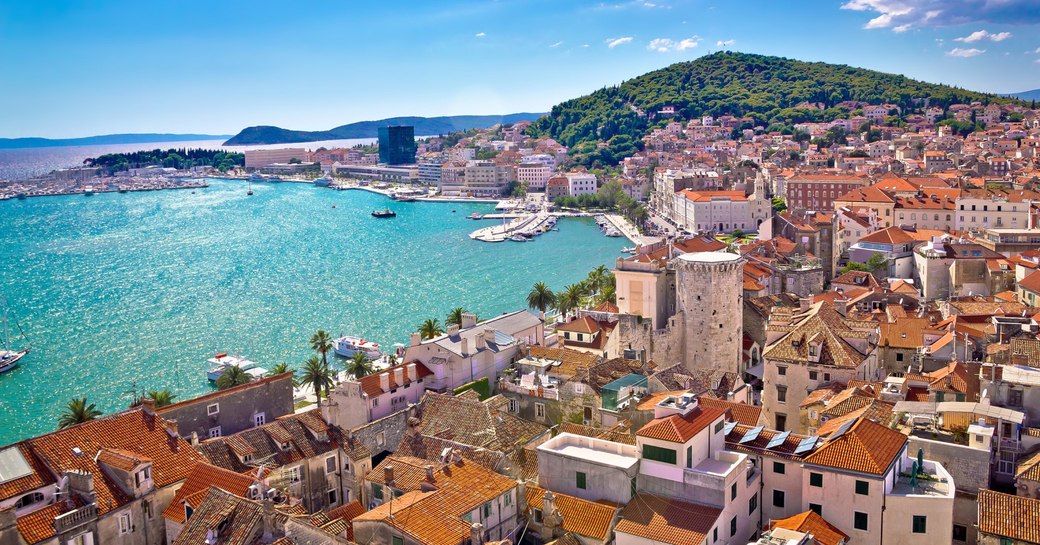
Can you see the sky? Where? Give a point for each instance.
(85, 68)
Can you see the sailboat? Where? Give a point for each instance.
(250, 190)
(8, 357)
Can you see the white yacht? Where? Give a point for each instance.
(8, 356)
(222, 362)
(348, 346)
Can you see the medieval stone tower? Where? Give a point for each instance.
(710, 298)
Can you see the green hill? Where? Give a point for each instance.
(739, 84)
(424, 126)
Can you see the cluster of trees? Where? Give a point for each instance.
(174, 158)
(610, 196)
(598, 287)
(765, 89)
(431, 327)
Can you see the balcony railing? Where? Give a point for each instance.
(69, 520)
(535, 391)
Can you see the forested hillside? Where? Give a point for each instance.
(764, 88)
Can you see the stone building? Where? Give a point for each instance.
(230, 411)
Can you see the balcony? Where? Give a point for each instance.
(544, 392)
(71, 519)
(934, 481)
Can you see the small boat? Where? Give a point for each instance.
(347, 346)
(21, 196)
(324, 181)
(518, 238)
(250, 190)
(88, 190)
(123, 190)
(385, 213)
(222, 362)
(475, 216)
(629, 250)
(8, 357)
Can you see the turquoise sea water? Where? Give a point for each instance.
(139, 289)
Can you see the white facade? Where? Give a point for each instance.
(534, 175)
(256, 158)
(974, 211)
(722, 211)
(582, 183)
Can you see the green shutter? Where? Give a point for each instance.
(581, 480)
(658, 454)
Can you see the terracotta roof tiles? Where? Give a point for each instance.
(1004, 515)
(866, 447)
(581, 517)
(681, 428)
(809, 522)
(665, 520)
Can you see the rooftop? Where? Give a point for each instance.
(599, 451)
(709, 257)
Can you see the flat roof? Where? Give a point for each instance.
(709, 257)
(598, 451)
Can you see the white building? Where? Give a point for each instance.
(994, 209)
(430, 173)
(543, 158)
(256, 158)
(721, 211)
(487, 179)
(534, 175)
(581, 183)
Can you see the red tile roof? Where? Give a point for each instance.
(681, 428)
(743, 413)
(866, 447)
(370, 384)
(582, 517)
(201, 478)
(809, 522)
(665, 520)
(1004, 515)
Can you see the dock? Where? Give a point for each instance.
(527, 225)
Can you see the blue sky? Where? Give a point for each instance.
(83, 68)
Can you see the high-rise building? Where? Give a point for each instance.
(397, 145)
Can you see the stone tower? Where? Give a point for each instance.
(709, 293)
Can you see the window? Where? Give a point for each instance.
(960, 533)
(141, 476)
(538, 516)
(508, 498)
(859, 520)
(124, 524)
(213, 408)
(332, 496)
(863, 488)
(658, 454)
(816, 479)
(752, 504)
(920, 524)
(487, 510)
(782, 371)
(539, 411)
(259, 419)
(779, 468)
(817, 508)
(514, 406)
(381, 438)
(718, 427)
(330, 465)
(733, 527)
(781, 422)
(580, 480)
(733, 491)
(778, 498)
(826, 377)
(813, 375)
(377, 491)
(86, 538)
(633, 487)
(375, 402)
(1007, 462)
(28, 499)
(293, 474)
(899, 356)
(781, 394)
(397, 540)
(714, 535)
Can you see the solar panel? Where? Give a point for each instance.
(750, 436)
(778, 440)
(841, 431)
(806, 445)
(728, 428)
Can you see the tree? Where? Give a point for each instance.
(358, 365)
(778, 205)
(278, 369)
(570, 298)
(321, 342)
(294, 161)
(430, 328)
(541, 298)
(77, 412)
(317, 375)
(231, 377)
(455, 316)
(597, 278)
(161, 398)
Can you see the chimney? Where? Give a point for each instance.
(416, 339)
(81, 483)
(804, 303)
(476, 534)
(148, 404)
(413, 372)
(478, 341)
(270, 524)
(468, 320)
(453, 330)
(194, 438)
(840, 306)
(464, 346)
(399, 376)
(489, 335)
(384, 381)
(388, 475)
(429, 473)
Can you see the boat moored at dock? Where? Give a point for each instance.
(347, 346)
(222, 362)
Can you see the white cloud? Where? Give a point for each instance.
(980, 35)
(664, 45)
(480, 35)
(614, 42)
(902, 15)
(584, 45)
(1037, 51)
(555, 45)
(725, 43)
(965, 53)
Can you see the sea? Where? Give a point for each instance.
(123, 293)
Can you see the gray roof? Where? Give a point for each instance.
(503, 329)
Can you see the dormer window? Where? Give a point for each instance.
(213, 409)
(812, 350)
(285, 445)
(247, 458)
(143, 476)
(29, 499)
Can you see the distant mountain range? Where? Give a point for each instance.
(135, 138)
(424, 126)
(1028, 95)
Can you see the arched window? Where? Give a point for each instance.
(28, 499)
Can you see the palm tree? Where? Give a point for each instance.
(430, 328)
(541, 298)
(455, 316)
(278, 369)
(321, 342)
(231, 377)
(161, 398)
(570, 298)
(317, 375)
(359, 366)
(598, 277)
(77, 412)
